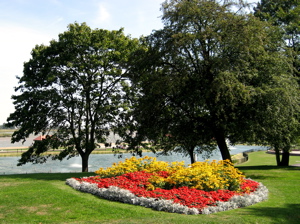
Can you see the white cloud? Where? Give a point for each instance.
(24, 24)
(57, 21)
(16, 44)
(103, 15)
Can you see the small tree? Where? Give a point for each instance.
(188, 140)
(72, 90)
(284, 14)
(278, 124)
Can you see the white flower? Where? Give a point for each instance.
(117, 194)
(239, 201)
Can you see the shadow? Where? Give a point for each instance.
(289, 213)
(64, 176)
(47, 176)
(262, 172)
(268, 167)
(259, 177)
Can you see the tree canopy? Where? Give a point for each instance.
(209, 73)
(72, 91)
(285, 15)
(215, 73)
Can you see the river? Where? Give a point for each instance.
(8, 165)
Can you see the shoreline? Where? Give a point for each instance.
(292, 152)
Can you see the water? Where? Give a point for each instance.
(5, 142)
(8, 165)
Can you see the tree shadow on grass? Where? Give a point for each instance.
(64, 176)
(288, 214)
(268, 167)
(47, 176)
(257, 172)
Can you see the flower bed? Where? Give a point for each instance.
(202, 188)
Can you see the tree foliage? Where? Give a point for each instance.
(72, 90)
(208, 75)
(285, 15)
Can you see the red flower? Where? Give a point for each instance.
(136, 183)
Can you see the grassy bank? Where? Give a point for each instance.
(18, 152)
(44, 198)
(6, 132)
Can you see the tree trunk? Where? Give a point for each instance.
(193, 156)
(85, 162)
(221, 141)
(285, 159)
(277, 154)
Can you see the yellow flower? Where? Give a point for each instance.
(200, 175)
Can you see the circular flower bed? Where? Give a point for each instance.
(201, 188)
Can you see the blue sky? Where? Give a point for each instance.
(26, 23)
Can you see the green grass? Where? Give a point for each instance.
(44, 198)
(6, 132)
(18, 152)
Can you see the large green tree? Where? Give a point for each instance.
(161, 112)
(278, 124)
(210, 66)
(285, 15)
(72, 91)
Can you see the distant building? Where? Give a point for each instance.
(40, 138)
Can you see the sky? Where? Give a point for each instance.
(26, 23)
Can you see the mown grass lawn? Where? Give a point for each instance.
(44, 198)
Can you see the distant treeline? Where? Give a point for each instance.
(3, 126)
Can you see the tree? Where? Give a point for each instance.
(209, 66)
(3, 126)
(72, 90)
(278, 124)
(187, 139)
(156, 118)
(286, 16)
